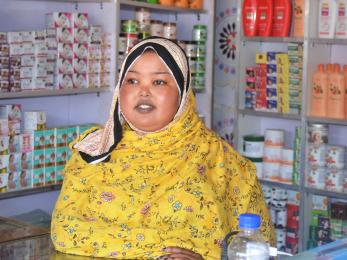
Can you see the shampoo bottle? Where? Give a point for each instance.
(282, 13)
(264, 17)
(299, 17)
(341, 19)
(326, 18)
(249, 17)
(336, 94)
(319, 92)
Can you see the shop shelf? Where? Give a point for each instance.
(328, 41)
(161, 7)
(47, 93)
(73, 1)
(342, 122)
(331, 194)
(272, 39)
(280, 185)
(269, 114)
(29, 191)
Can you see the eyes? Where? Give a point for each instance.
(157, 82)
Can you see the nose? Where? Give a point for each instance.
(145, 90)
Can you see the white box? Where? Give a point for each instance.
(94, 66)
(14, 37)
(65, 50)
(26, 72)
(34, 120)
(65, 81)
(59, 19)
(80, 20)
(80, 80)
(80, 50)
(65, 66)
(65, 35)
(94, 80)
(105, 66)
(15, 49)
(81, 35)
(27, 37)
(27, 60)
(39, 36)
(94, 51)
(80, 66)
(3, 37)
(39, 83)
(105, 80)
(26, 84)
(40, 49)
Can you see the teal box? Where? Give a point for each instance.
(27, 161)
(14, 162)
(39, 159)
(68, 154)
(50, 174)
(25, 179)
(38, 177)
(50, 156)
(71, 134)
(59, 174)
(39, 139)
(61, 156)
(49, 138)
(60, 137)
(14, 143)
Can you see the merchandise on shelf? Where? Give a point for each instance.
(297, 156)
(299, 18)
(284, 208)
(327, 13)
(341, 19)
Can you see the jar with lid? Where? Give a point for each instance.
(157, 28)
(200, 49)
(122, 42)
(130, 26)
(191, 47)
(143, 15)
(166, 2)
(169, 31)
(200, 33)
(182, 3)
(200, 65)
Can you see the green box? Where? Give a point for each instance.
(59, 174)
(60, 137)
(50, 173)
(38, 177)
(39, 159)
(50, 156)
(39, 139)
(71, 134)
(49, 138)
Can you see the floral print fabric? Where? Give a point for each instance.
(180, 187)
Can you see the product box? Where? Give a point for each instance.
(94, 51)
(61, 156)
(81, 35)
(80, 80)
(15, 49)
(65, 50)
(4, 163)
(27, 141)
(95, 33)
(3, 182)
(81, 51)
(12, 183)
(80, 66)
(27, 60)
(25, 179)
(106, 52)
(4, 86)
(4, 50)
(26, 84)
(271, 82)
(14, 86)
(26, 72)
(28, 48)
(59, 174)
(14, 143)
(60, 137)
(4, 141)
(4, 126)
(26, 160)
(40, 49)
(72, 133)
(65, 81)
(271, 105)
(11, 112)
(105, 66)
(39, 139)
(38, 177)
(34, 120)
(271, 57)
(59, 19)
(50, 175)
(105, 80)
(65, 35)
(14, 162)
(27, 36)
(65, 66)
(3, 37)
(80, 20)
(49, 138)
(39, 35)
(50, 157)
(4, 62)
(14, 37)
(94, 66)
(14, 127)
(38, 159)
(94, 80)
(271, 70)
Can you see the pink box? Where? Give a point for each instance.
(65, 35)
(65, 66)
(59, 19)
(80, 80)
(65, 50)
(80, 66)
(80, 20)
(80, 50)
(81, 35)
(64, 81)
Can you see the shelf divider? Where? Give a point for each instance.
(329, 121)
(280, 185)
(331, 194)
(272, 39)
(269, 114)
(29, 191)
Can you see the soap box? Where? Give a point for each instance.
(14, 162)
(14, 37)
(80, 80)
(4, 163)
(65, 35)
(4, 140)
(65, 81)
(11, 112)
(49, 138)
(80, 66)
(81, 51)
(38, 159)
(80, 20)
(50, 175)
(60, 137)
(65, 50)
(50, 157)
(25, 178)
(81, 35)
(12, 183)
(39, 139)
(94, 80)
(59, 174)
(72, 134)
(26, 160)
(38, 177)
(27, 141)
(34, 120)
(65, 66)
(59, 19)
(61, 156)
(14, 143)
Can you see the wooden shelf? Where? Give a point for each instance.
(161, 7)
(48, 93)
(280, 185)
(29, 191)
(331, 194)
(321, 120)
(269, 114)
(272, 39)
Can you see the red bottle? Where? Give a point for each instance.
(249, 16)
(264, 17)
(282, 14)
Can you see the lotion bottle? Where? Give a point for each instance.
(319, 92)
(327, 18)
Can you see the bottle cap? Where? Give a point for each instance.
(249, 221)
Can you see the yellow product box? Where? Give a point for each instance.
(282, 59)
(260, 58)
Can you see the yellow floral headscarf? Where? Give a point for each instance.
(182, 186)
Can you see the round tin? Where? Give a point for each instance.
(169, 31)
(200, 65)
(271, 171)
(191, 47)
(272, 154)
(316, 155)
(253, 146)
(274, 137)
(318, 134)
(200, 49)
(130, 26)
(334, 180)
(335, 157)
(316, 177)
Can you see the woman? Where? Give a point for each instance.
(154, 182)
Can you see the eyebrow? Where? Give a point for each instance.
(159, 72)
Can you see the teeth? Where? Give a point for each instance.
(144, 106)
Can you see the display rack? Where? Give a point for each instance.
(29, 191)
(280, 185)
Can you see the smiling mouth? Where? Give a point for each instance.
(144, 108)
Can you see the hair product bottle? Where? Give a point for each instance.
(249, 17)
(326, 18)
(341, 19)
(282, 13)
(336, 94)
(299, 18)
(264, 17)
(319, 92)
(345, 73)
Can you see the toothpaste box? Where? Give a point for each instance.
(12, 183)
(14, 143)
(34, 120)
(4, 140)
(271, 70)
(59, 19)
(65, 50)
(38, 177)
(80, 20)
(60, 137)
(50, 157)
(49, 138)
(65, 81)
(80, 80)
(65, 66)
(25, 178)
(14, 162)
(61, 156)
(38, 159)
(65, 35)
(81, 50)
(81, 35)
(14, 37)
(4, 163)
(80, 66)
(26, 160)
(72, 133)
(50, 175)
(59, 174)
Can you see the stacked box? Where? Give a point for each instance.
(292, 235)
(105, 62)
(271, 82)
(295, 56)
(250, 90)
(95, 56)
(40, 66)
(17, 48)
(4, 63)
(282, 64)
(297, 156)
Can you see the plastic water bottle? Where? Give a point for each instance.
(248, 243)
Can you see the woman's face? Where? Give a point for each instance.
(149, 96)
